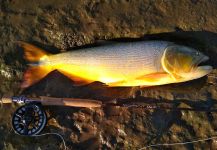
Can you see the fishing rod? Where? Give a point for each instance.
(44, 100)
(30, 118)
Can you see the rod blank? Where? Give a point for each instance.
(73, 102)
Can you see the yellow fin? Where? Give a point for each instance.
(153, 77)
(78, 81)
(175, 76)
(33, 75)
(143, 81)
(115, 84)
(31, 52)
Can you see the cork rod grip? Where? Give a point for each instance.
(6, 100)
(74, 102)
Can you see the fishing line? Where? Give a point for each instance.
(30, 105)
(179, 143)
(56, 134)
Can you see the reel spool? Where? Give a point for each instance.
(29, 119)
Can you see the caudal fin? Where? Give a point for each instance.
(37, 70)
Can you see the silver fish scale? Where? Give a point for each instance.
(133, 56)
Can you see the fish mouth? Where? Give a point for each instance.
(201, 64)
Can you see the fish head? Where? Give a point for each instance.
(183, 63)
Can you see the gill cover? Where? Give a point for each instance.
(177, 60)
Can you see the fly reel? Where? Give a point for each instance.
(29, 119)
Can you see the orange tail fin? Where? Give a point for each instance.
(37, 70)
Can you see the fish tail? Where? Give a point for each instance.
(38, 64)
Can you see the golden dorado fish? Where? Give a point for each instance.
(144, 63)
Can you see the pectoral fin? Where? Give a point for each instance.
(175, 76)
(153, 77)
(145, 80)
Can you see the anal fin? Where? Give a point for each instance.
(115, 84)
(78, 81)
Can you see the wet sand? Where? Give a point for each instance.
(61, 25)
